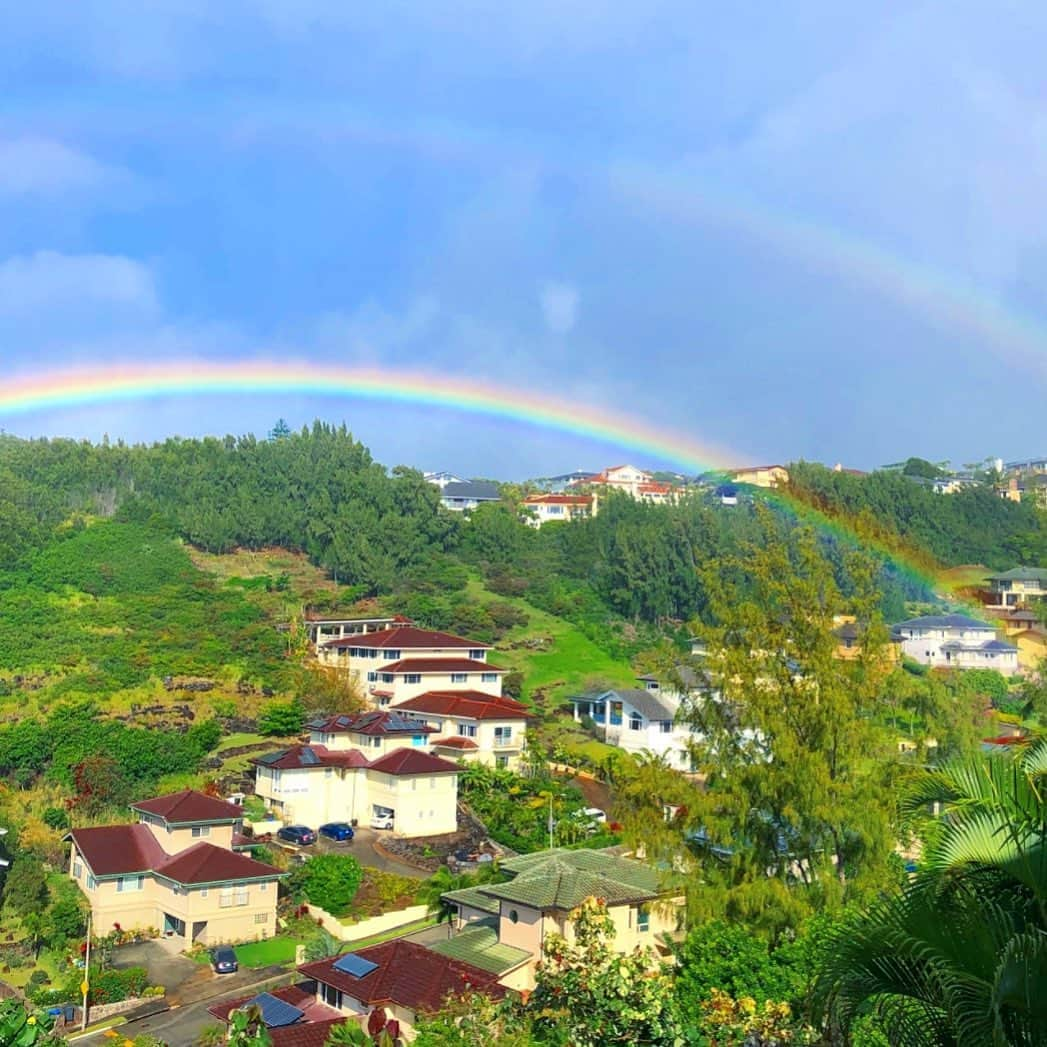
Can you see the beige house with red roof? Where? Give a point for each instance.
(637, 483)
(762, 476)
(313, 784)
(175, 870)
(403, 661)
(553, 508)
(470, 725)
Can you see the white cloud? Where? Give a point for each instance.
(49, 282)
(44, 167)
(559, 303)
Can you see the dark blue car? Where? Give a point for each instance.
(300, 834)
(338, 831)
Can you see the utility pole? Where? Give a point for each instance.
(85, 985)
(550, 821)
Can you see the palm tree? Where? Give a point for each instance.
(959, 957)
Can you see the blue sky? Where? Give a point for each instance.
(738, 224)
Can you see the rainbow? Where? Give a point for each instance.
(77, 387)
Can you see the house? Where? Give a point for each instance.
(955, 641)
(374, 733)
(292, 1015)
(406, 980)
(728, 494)
(1018, 587)
(175, 870)
(642, 720)
(472, 726)
(312, 784)
(392, 662)
(559, 484)
(466, 495)
(634, 482)
(322, 629)
(551, 508)
(443, 478)
(761, 476)
(501, 926)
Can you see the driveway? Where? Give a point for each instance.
(363, 850)
(165, 965)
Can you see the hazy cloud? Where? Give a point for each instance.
(559, 307)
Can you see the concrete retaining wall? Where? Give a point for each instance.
(354, 932)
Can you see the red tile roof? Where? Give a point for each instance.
(406, 637)
(412, 761)
(455, 742)
(654, 488)
(189, 807)
(558, 499)
(408, 975)
(312, 1031)
(111, 850)
(474, 704)
(205, 863)
(370, 723)
(439, 665)
(296, 757)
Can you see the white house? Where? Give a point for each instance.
(466, 495)
(471, 725)
(323, 629)
(361, 655)
(641, 720)
(634, 482)
(955, 641)
(442, 478)
(311, 785)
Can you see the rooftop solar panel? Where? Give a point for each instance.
(309, 757)
(355, 965)
(276, 1013)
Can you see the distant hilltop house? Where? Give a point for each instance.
(561, 483)
(1017, 587)
(549, 508)
(176, 870)
(1030, 466)
(462, 496)
(634, 482)
(443, 478)
(768, 476)
(955, 641)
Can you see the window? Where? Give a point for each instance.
(92, 883)
(635, 722)
(412, 677)
(503, 735)
(231, 896)
(459, 677)
(643, 920)
(328, 772)
(261, 917)
(130, 883)
(331, 996)
(203, 892)
(387, 677)
(78, 870)
(372, 677)
(514, 916)
(666, 727)
(418, 739)
(263, 887)
(467, 730)
(201, 830)
(432, 783)
(393, 656)
(477, 656)
(489, 677)
(501, 761)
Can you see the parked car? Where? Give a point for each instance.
(340, 832)
(300, 834)
(382, 821)
(223, 960)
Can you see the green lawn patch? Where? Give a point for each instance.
(280, 949)
(396, 932)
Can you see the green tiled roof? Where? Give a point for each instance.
(479, 946)
(563, 879)
(472, 897)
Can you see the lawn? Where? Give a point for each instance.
(280, 949)
(570, 661)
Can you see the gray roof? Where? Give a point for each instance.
(1020, 574)
(651, 704)
(479, 490)
(990, 645)
(944, 621)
